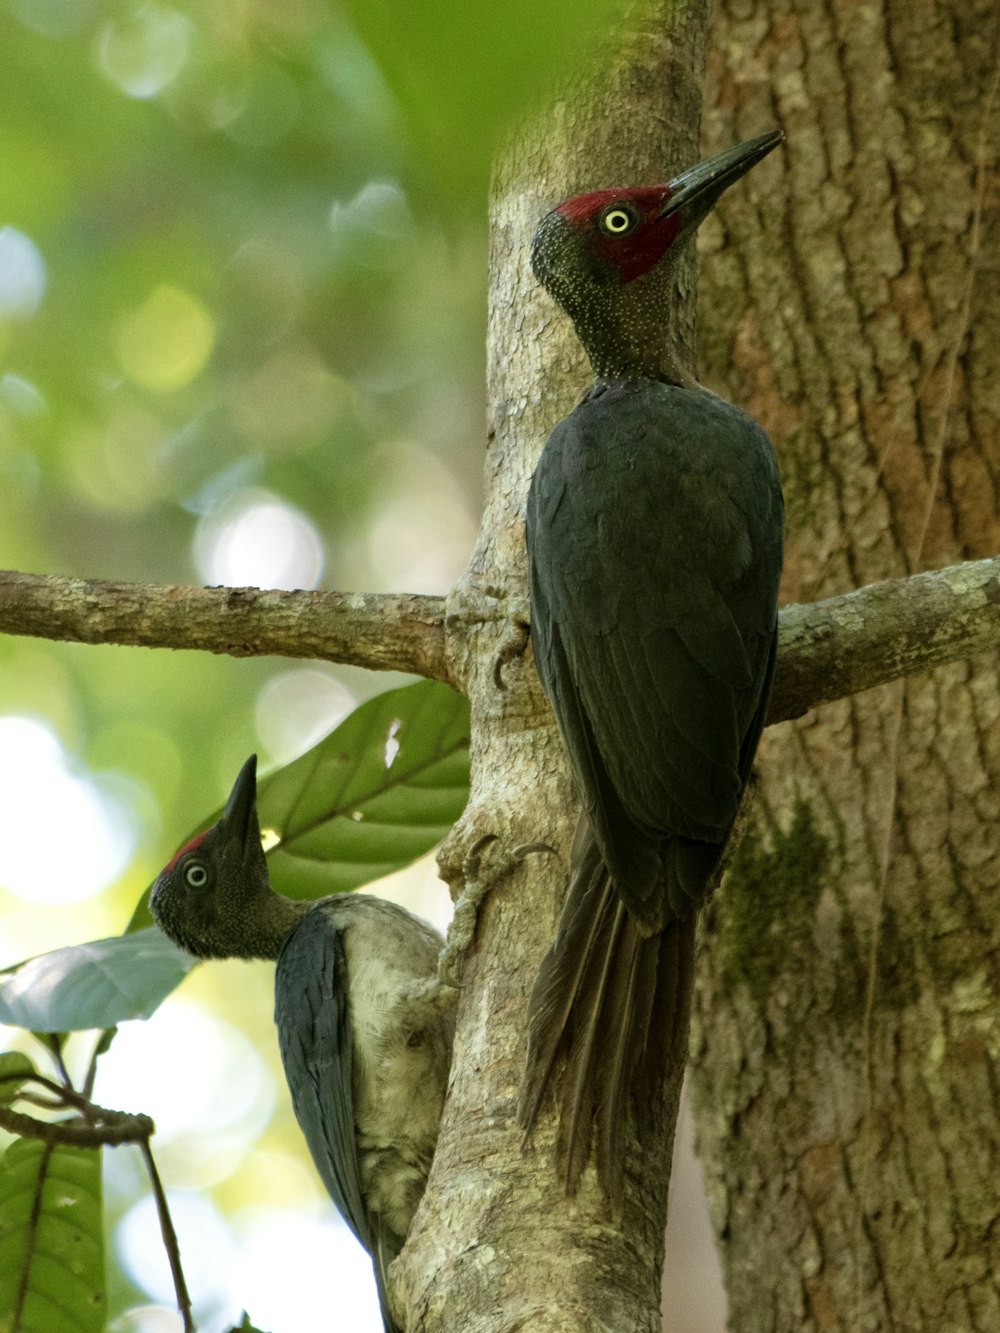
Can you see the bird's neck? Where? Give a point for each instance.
(274, 919)
(628, 331)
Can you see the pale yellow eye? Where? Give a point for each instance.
(617, 221)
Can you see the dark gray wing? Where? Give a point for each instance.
(654, 535)
(312, 1014)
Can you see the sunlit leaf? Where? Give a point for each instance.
(51, 1239)
(378, 792)
(93, 985)
(14, 1069)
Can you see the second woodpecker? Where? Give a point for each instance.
(654, 531)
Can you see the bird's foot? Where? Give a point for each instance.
(472, 604)
(515, 638)
(434, 995)
(476, 885)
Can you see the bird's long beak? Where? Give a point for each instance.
(239, 819)
(694, 191)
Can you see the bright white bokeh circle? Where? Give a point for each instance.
(257, 540)
(65, 835)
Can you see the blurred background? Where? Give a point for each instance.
(242, 321)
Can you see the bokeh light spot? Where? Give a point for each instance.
(290, 395)
(40, 795)
(206, 1244)
(422, 534)
(204, 1125)
(148, 1319)
(258, 540)
(22, 273)
(166, 342)
(143, 53)
(297, 708)
(307, 1254)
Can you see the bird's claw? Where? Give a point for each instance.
(462, 930)
(514, 641)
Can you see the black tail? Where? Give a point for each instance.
(616, 1003)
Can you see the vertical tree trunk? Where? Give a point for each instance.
(845, 1066)
(496, 1245)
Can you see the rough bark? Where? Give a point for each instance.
(496, 1245)
(845, 1062)
(381, 631)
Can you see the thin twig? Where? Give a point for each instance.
(101, 1045)
(169, 1235)
(105, 1129)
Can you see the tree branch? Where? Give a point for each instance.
(843, 645)
(103, 1128)
(384, 632)
(827, 650)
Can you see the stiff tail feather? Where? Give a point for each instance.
(615, 1003)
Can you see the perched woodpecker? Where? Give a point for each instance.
(365, 1036)
(654, 532)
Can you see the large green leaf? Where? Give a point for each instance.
(378, 792)
(51, 1240)
(93, 985)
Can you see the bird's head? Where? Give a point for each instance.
(214, 897)
(605, 257)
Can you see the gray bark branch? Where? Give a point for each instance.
(383, 632)
(827, 650)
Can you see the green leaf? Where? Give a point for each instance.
(14, 1069)
(377, 793)
(51, 1240)
(93, 985)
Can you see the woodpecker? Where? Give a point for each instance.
(364, 1028)
(654, 534)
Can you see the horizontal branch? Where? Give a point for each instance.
(827, 650)
(104, 1128)
(843, 645)
(381, 631)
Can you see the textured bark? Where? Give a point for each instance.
(848, 1033)
(496, 1245)
(381, 631)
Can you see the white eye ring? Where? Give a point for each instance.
(617, 220)
(196, 875)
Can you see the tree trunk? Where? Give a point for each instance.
(496, 1244)
(847, 1019)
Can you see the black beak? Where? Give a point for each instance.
(239, 819)
(695, 191)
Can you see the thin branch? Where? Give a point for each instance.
(827, 650)
(170, 1243)
(381, 631)
(107, 1129)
